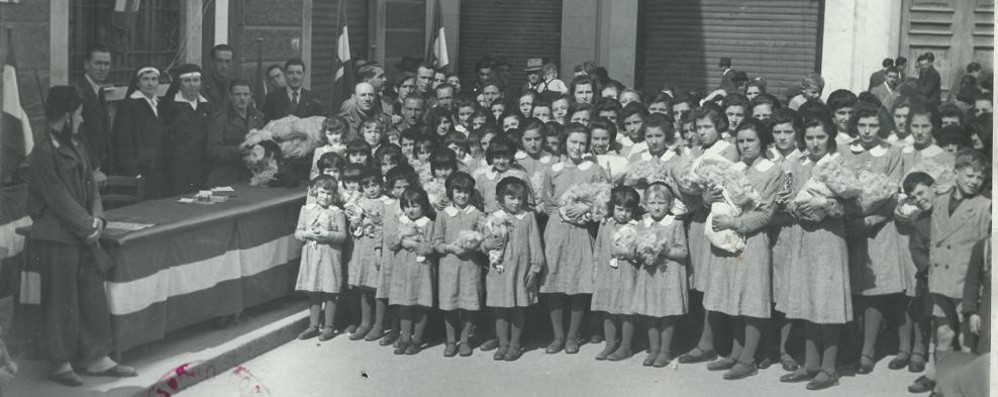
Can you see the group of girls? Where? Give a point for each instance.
(387, 226)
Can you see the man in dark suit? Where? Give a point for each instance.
(878, 77)
(96, 128)
(294, 100)
(929, 81)
(727, 77)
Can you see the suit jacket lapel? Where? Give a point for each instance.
(960, 215)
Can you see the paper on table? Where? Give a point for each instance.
(223, 189)
(185, 200)
(128, 226)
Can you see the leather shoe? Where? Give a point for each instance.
(740, 371)
(798, 376)
(67, 378)
(555, 346)
(571, 346)
(922, 384)
(823, 380)
(513, 353)
(697, 356)
(865, 365)
(900, 361)
(916, 365)
(721, 365)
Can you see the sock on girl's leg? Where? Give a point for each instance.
(467, 320)
(330, 312)
(517, 321)
(668, 327)
(738, 337)
(626, 332)
(710, 320)
(752, 335)
(314, 313)
(830, 338)
(366, 309)
(812, 352)
(556, 310)
(380, 311)
(579, 307)
(872, 317)
(785, 328)
(419, 319)
(610, 329)
(405, 323)
(450, 325)
(502, 327)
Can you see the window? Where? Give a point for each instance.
(151, 36)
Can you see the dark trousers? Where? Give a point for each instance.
(76, 323)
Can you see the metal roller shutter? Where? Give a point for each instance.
(681, 42)
(324, 41)
(513, 29)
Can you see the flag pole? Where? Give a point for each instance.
(260, 77)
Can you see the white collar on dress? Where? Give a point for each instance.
(422, 221)
(648, 221)
(194, 104)
(453, 210)
(502, 214)
(153, 102)
(584, 165)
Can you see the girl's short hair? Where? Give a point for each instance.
(624, 196)
(322, 182)
(500, 145)
(514, 113)
(758, 82)
(336, 124)
(813, 81)
(435, 116)
(415, 195)
(369, 174)
(923, 110)
(358, 146)
(825, 123)
(480, 112)
(391, 151)
(460, 181)
(608, 105)
(841, 98)
(401, 172)
(456, 138)
(532, 124)
(632, 109)
(576, 128)
(969, 158)
(736, 100)
(410, 134)
(511, 186)
(443, 158)
(580, 107)
(377, 121)
(766, 99)
(658, 188)
(329, 160)
(713, 113)
(554, 128)
(463, 101)
(424, 145)
(352, 173)
(540, 102)
(662, 122)
(867, 110)
(603, 124)
(583, 80)
(764, 131)
(912, 180)
(784, 115)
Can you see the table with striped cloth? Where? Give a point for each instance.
(198, 261)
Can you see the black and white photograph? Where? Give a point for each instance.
(212, 198)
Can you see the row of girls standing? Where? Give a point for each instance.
(803, 261)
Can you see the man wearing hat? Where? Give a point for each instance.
(65, 208)
(727, 76)
(534, 79)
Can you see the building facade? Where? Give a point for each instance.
(642, 43)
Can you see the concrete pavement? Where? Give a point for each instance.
(341, 367)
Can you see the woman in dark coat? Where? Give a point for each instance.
(138, 134)
(66, 212)
(185, 115)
